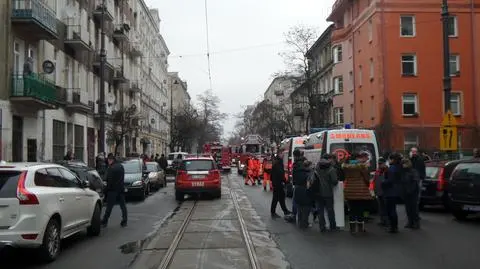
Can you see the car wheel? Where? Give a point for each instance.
(460, 214)
(50, 247)
(144, 195)
(179, 196)
(94, 228)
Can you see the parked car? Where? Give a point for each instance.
(434, 189)
(156, 175)
(41, 204)
(86, 173)
(198, 174)
(464, 189)
(137, 183)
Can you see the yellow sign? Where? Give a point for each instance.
(448, 138)
(449, 119)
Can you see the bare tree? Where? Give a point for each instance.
(211, 117)
(124, 122)
(185, 126)
(300, 39)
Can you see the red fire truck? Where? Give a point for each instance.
(253, 145)
(220, 153)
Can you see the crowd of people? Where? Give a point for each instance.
(397, 179)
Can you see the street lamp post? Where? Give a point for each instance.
(103, 56)
(175, 82)
(447, 80)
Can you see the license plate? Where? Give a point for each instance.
(198, 184)
(475, 208)
(197, 176)
(126, 190)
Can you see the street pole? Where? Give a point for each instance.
(447, 81)
(103, 56)
(171, 116)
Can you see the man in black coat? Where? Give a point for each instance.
(278, 182)
(115, 189)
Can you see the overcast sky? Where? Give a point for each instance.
(245, 39)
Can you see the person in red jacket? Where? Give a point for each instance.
(267, 169)
(249, 176)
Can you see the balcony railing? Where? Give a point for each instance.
(35, 18)
(120, 33)
(97, 13)
(34, 88)
(75, 39)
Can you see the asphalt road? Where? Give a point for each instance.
(442, 242)
(107, 250)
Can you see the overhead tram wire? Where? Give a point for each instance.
(208, 45)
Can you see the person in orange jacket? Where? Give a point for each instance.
(267, 169)
(258, 170)
(249, 176)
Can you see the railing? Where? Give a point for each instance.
(33, 85)
(36, 10)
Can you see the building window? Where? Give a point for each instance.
(360, 75)
(338, 84)
(456, 103)
(337, 54)
(409, 65)
(409, 104)
(79, 142)
(410, 141)
(452, 26)
(58, 140)
(454, 65)
(338, 115)
(370, 30)
(407, 26)
(372, 69)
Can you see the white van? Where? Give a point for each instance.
(342, 143)
(287, 146)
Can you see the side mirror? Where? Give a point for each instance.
(85, 184)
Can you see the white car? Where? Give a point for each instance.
(41, 204)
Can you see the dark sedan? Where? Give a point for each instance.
(86, 174)
(435, 186)
(137, 183)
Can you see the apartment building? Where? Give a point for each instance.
(317, 112)
(179, 92)
(50, 98)
(396, 68)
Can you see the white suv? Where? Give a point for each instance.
(40, 204)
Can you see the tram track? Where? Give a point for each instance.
(169, 256)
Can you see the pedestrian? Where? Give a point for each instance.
(101, 164)
(115, 190)
(297, 156)
(68, 156)
(378, 191)
(391, 188)
(267, 169)
(324, 179)
(357, 193)
(301, 200)
(250, 175)
(418, 163)
(278, 181)
(410, 188)
(162, 162)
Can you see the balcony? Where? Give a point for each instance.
(34, 19)
(77, 102)
(97, 13)
(109, 68)
(119, 75)
(135, 51)
(120, 34)
(33, 92)
(340, 34)
(135, 86)
(278, 92)
(76, 40)
(108, 112)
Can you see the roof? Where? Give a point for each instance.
(23, 165)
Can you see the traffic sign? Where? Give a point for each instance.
(449, 119)
(448, 138)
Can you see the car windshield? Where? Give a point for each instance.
(345, 150)
(197, 165)
(151, 167)
(132, 167)
(432, 172)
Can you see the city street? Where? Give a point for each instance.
(213, 238)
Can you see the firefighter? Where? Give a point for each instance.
(267, 169)
(249, 176)
(259, 170)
